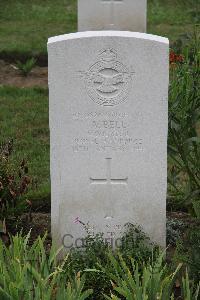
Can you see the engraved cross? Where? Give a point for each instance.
(109, 182)
(112, 9)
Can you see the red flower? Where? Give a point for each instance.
(179, 58)
(174, 58)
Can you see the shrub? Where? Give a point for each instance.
(175, 228)
(134, 244)
(14, 182)
(188, 252)
(184, 131)
(87, 258)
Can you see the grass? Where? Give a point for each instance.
(26, 25)
(173, 19)
(24, 118)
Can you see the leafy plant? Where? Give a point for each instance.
(93, 253)
(28, 272)
(14, 182)
(26, 68)
(188, 252)
(174, 230)
(188, 292)
(134, 243)
(153, 282)
(184, 133)
(24, 116)
(196, 207)
(129, 283)
(35, 272)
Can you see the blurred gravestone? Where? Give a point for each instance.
(126, 15)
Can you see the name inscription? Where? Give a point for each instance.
(102, 132)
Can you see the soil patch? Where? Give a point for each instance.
(11, 76)
(185, 218)
(40, 224)
(37, 223)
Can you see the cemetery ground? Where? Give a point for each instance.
(26, 25)
(28, 265)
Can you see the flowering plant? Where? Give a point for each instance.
(14, 182)
(175, 58)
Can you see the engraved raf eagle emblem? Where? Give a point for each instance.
(108, 84)
(108, 81)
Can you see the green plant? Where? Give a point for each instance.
(175, 228)
(24, 117)
(94, 252)
(153, 282)
(28, 272)
(184, 133)
(188, 292)
(26, 68)
(135, 243)
(188, 252)
(196, 207)
(14, 182)
(35, 272)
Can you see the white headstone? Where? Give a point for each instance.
(108, 126)
(129, 15)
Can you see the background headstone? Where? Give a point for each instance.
(128, 15)
(108, 127)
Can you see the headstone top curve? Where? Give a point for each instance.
(89, 34)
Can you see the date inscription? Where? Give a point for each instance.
(103, 132)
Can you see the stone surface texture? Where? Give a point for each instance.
(108, 133)
(128, 15)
